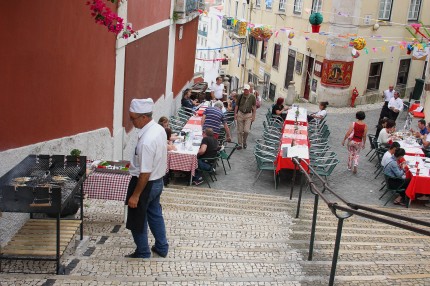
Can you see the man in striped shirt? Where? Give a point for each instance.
(214, 118)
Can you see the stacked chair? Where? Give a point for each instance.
(322, 160)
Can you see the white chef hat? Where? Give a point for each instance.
(144, 105)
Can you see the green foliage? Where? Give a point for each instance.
(75, 153)
(175, 16)
(316, 18)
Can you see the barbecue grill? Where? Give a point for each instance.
(50, 184)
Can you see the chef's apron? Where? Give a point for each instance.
(136, 216)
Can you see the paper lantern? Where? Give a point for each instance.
(354, 53)
(359, 43)
(261, 33)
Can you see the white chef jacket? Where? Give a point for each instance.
(150, 155)
(396, 103)
(218, 90)
(388, 95)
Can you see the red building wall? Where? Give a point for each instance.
(185, 53)
(56, 71)
(145, 69)
(144, 13)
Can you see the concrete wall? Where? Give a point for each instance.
(144, 13)
(145, 73)
(57, 72)
(96, 144)
(185, 52)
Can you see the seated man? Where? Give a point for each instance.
(426, 138)
(397, 176)
(208, 149)
(422, 130)
(387, 156)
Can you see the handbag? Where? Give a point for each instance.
(352, 133)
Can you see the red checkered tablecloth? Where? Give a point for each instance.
(107, 186)
(182, 162)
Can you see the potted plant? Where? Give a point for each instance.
(316, 19)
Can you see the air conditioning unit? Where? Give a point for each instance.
(221, 72)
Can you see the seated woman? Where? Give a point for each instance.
(384, 135)
(381, 125)
(208, 149)
(187, 102)
(164, 121)
(231, 101)
(397, 176)
(170, 146)
(278, 108)
(321, 113)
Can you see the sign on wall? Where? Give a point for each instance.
(318, 68)
(336, 73)
(314, 85)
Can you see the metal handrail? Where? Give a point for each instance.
(349, 209)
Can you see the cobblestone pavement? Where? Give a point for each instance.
(245, 237)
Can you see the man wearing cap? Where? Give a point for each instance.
(387, 95)
(147, 167)
(395, 105)
(244, 113)
(213, 118)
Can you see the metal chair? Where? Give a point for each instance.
(372, 143)
(211, 173)
(226, 152)
(265, 162)
(324, 166)
(392, 189)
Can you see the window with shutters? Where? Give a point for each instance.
(385, 9)
(414, 10)
(374, 79)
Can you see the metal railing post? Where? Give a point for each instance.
(336, 251)
(314, 224)
(299, 201)
(293, 181)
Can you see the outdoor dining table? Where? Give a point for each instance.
(185, 157)
(297, 134)
(107, 186)
(420, 182)
(301, 119)
(202, 108)
(411, 149)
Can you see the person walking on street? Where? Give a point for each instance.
(147, 167)
(395, 105)
(387, 95)
(244, 113)
(356, 134)
(214, 118)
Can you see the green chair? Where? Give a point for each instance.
(211, 173)
(265, 162)
(324, 166)
(226, 152)
(393, 190)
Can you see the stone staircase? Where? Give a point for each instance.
(227, 238)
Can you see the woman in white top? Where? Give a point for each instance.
(384, 135)
(321, 113)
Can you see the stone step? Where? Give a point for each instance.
(374, 280)
(358, 237)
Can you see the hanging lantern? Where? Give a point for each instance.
(409, 50)
(354, 53)
(316, 19)
(291, 35)
(359, 43)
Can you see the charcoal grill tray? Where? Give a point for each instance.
(19, 199)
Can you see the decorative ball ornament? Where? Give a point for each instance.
(291, 35)
(316, 18)
(261, 33)
(359, 43)
(354, 53)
